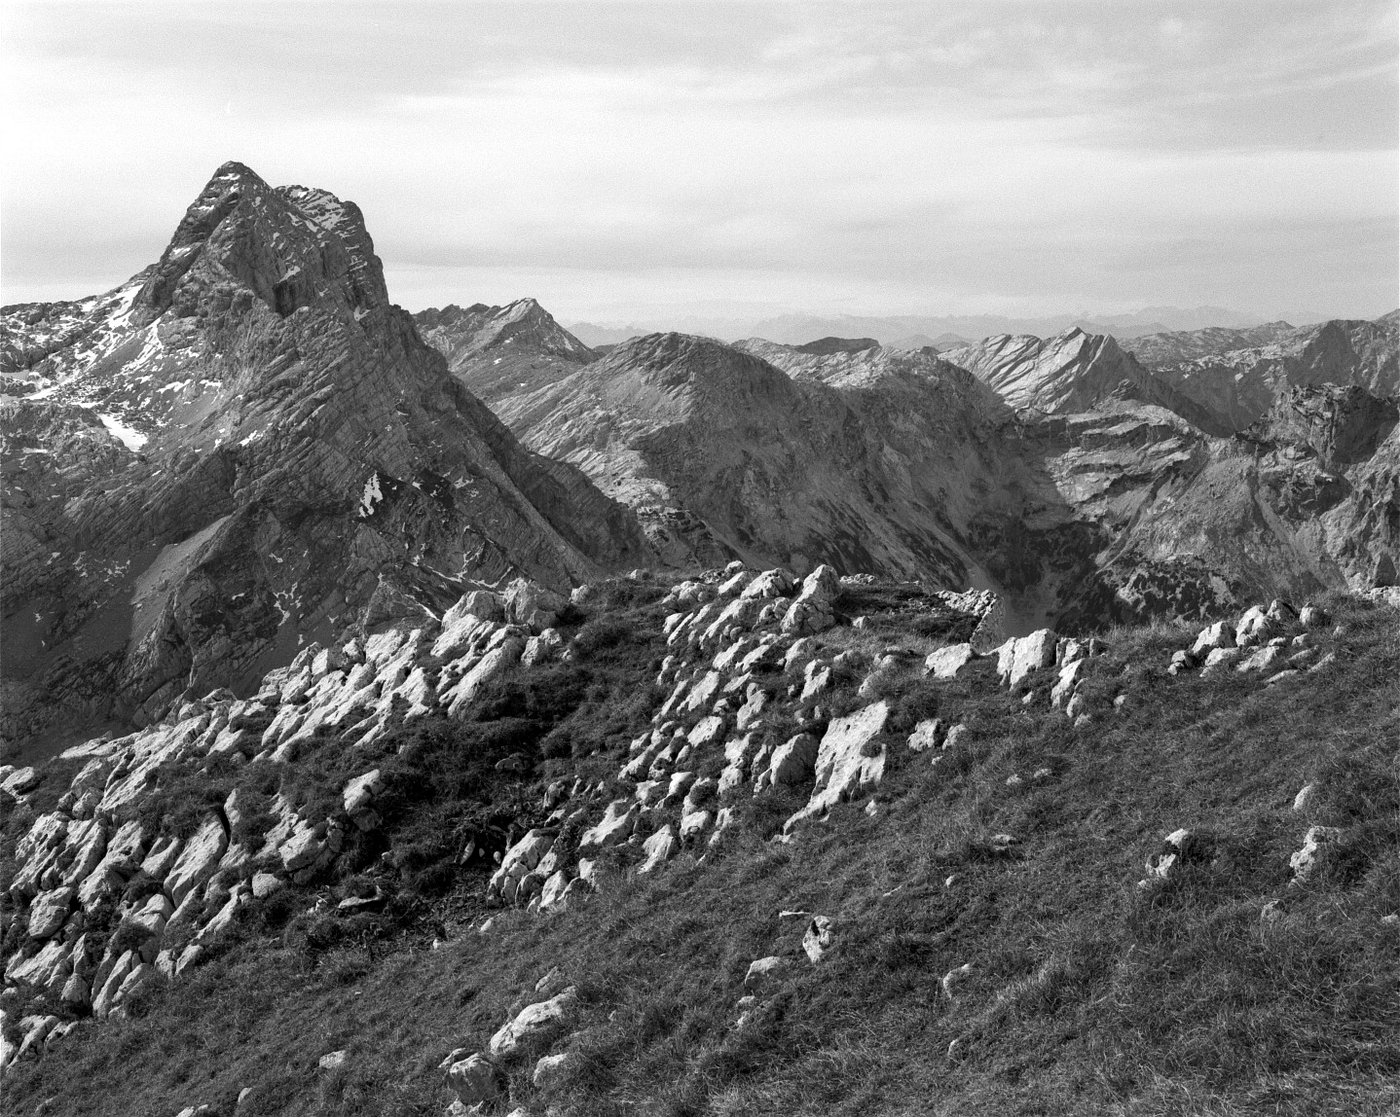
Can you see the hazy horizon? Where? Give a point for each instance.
(635, 162)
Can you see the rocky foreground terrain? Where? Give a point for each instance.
(699, 728)
(679, 846)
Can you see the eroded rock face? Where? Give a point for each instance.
(259, 447)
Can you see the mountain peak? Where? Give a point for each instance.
(289, 246)
(524, 326)
(234, 171)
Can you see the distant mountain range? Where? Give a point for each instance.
(1079, 481)
(914, 331)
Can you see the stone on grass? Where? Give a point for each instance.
(1218, 660)
(49, 911)
(539, 1020)
(816, 941)
(953, 977)
(265, 884)
(764, 973)
(1312, 616)
(554, 1071)
(1019, 656)
(659, 849)
(1316, 845)
(616, 826)
(945, 663)
(473, 1078)
(1180, 847)
(926, 735)
(850, 759)
(793, 761)
(1221, 634)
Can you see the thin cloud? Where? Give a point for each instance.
(880, 157)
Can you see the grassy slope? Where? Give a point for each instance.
(1086, 994)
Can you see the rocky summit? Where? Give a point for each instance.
(430, 714)
(244, 445)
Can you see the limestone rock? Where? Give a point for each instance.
(926, 735)
(1018, 657)
(850, 759)
(945, 663)
(764, 973)
(49, 911)
(1220, 659)
(659, 849)
(554, 1071)
(1313, 854)
(198, 859)
(532, 605)
(473, 1078)
(817, 939)
(533, 1022)
(1221, 634)
(616, 825)
(794, 761)
(358, 796)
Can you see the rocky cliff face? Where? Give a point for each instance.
(245, 445)
(501, 350)
(1238, 375)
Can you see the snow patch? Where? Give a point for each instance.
(130, 437)
(371, 496)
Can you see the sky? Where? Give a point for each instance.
(622, 162)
